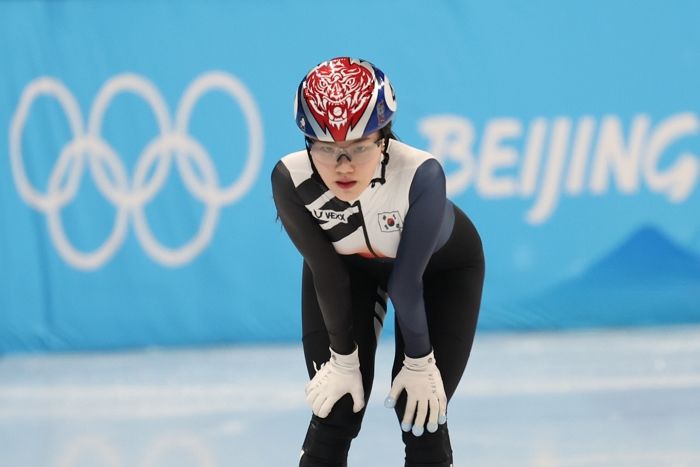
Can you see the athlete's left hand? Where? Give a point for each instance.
(421, 379)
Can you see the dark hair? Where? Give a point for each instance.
(388, 132)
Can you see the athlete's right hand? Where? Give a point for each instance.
(337, 377)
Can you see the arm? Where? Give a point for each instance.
(331, 279)
(419, 376)
(419, 237)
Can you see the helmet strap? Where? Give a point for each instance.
(316, 175)
(385, 160)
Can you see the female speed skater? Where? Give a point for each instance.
(370, 217)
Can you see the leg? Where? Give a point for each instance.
(328, 439)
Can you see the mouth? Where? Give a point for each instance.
(346, 184)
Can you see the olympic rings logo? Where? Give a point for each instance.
(131, 197)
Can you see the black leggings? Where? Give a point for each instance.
(452, 285)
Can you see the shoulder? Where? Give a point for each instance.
(426, 172)
(404, 156)
(296, 160)
(294, 167)
(414, 164)
(430, 169)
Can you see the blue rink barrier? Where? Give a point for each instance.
(136, 142)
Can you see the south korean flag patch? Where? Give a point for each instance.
(390, 221)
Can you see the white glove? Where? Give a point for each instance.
(337, 377)
(421, 379)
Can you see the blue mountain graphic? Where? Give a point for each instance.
(646, 280)
(646, 257)
(695, 242)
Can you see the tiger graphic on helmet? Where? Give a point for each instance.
(344, 99)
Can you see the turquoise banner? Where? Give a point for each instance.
(137, 139)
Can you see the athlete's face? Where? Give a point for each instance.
(348, 167)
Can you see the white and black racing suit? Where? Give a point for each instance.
(401, 239)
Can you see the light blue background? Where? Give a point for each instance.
(599, 260)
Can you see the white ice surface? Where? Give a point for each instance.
(625, 398)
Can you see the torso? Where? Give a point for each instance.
(370, 226)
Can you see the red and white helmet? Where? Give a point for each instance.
(344, 99)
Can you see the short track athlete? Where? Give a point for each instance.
(370, 216)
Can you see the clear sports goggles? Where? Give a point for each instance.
(329, 154)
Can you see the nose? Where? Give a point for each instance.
(344, 165)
